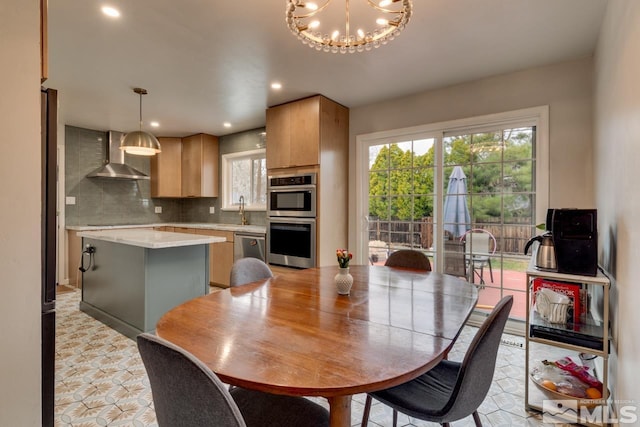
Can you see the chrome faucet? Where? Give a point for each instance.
(243, 218)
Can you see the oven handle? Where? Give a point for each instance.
(289, 188)
(291, 220)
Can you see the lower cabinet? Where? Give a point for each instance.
(220, 257)
(278, 269)
(183, 230)
(74, 253)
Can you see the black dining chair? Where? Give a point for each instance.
(186, 393)
(451, 390)
(247, 270)
(409, 258)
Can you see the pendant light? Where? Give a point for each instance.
(139, 142)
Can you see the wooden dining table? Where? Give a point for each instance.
(293, 334)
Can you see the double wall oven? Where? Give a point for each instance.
(291, 220)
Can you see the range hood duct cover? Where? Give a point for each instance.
(114, 166)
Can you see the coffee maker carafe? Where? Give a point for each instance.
(546, 255)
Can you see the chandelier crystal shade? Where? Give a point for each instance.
(139, 142)
(338, 30)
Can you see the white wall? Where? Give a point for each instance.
(565, 87)
(617, 181)
(20, 213)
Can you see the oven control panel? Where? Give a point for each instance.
(282, 181)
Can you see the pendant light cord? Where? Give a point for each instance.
(141, 111)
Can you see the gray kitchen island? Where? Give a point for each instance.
(132, 277)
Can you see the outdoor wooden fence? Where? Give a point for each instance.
(510, 238)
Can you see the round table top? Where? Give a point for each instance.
(293, 334)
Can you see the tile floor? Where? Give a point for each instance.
(100, 379)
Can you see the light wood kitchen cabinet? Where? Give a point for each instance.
(74, 253)
(200, 158)
(298, 132)
(280, 269)
(312, 135)
(166, 169)
(278, 136)
(184, 230)
(220, 257)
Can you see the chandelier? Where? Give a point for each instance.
(331, 30)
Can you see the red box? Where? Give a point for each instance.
(572, 290)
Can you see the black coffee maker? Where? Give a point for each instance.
(575, 237)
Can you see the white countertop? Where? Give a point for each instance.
(150, 239)
(259, 229)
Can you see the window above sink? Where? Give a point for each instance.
(244, 174)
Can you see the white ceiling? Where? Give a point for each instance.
(207, 62)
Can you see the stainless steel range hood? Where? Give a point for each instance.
(114, 166)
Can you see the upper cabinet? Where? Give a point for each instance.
(186, 167)
(200, 157)
(298, 132)
(312, 135)
(166, 169)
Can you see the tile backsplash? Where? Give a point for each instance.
(101, 201)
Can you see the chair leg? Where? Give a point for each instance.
(395, 418)
(476, 418)
(365, 411)
(490, 270)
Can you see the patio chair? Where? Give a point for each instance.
(454, 258)
(480, 246)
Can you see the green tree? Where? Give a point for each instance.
(401, 184)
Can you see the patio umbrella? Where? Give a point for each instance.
(456, 213)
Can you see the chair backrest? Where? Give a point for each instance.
(185, 391)
(478, 365)
(409, 258)
(247, 270)
(454, 258)
(480, 241)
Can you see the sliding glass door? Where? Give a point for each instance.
(466, 198)
(401, 197)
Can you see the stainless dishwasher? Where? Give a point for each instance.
(249, 245)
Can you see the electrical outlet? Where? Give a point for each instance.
(212, 209)
(70, 200)
(158, 209)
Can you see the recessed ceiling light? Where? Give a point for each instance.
(110, 11)
(227, 124)
(276, 85)
(154, 124)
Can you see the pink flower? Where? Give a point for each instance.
(343, 257)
